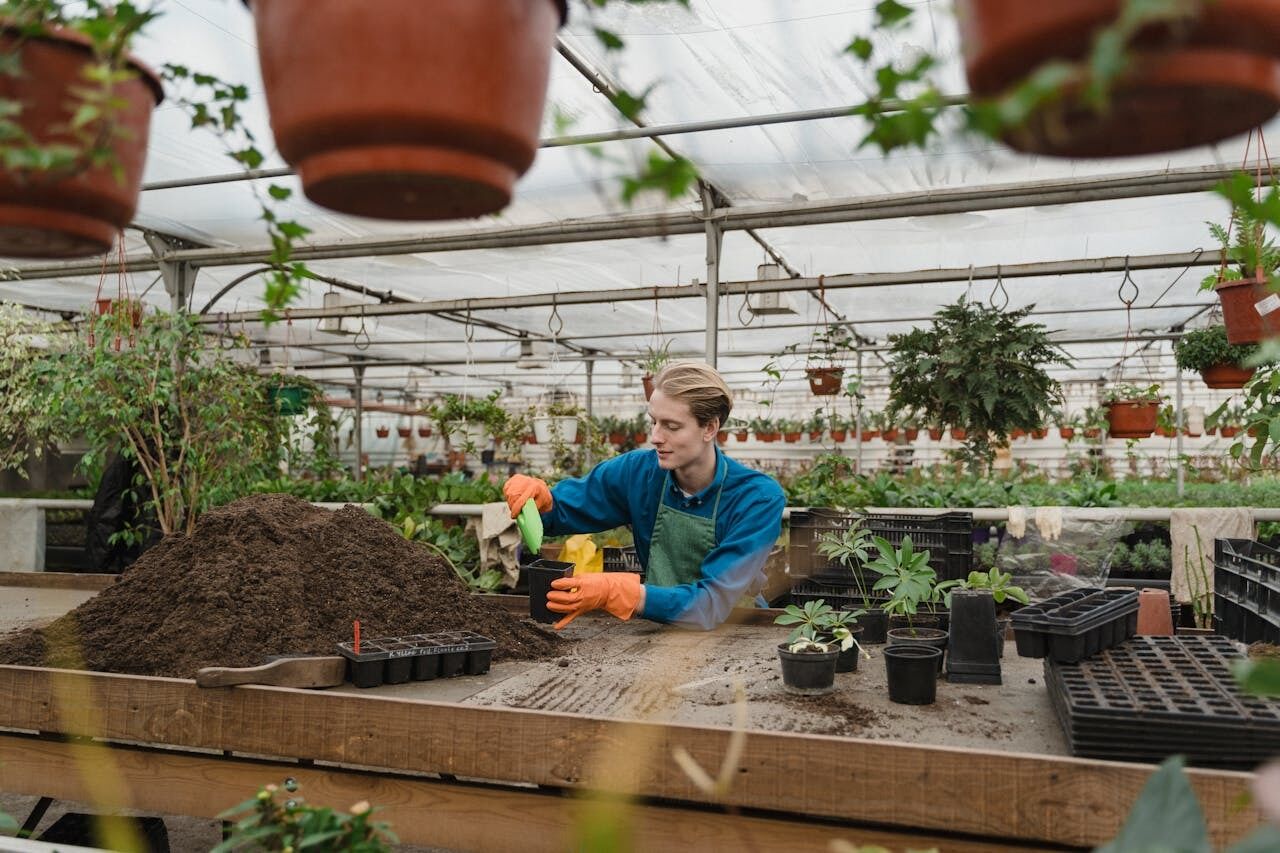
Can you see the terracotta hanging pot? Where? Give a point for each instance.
(424, 432)
(740, 435)
(838, 435)
(404, 432)
(1227, 376)
(958, 434)
(52, 215)
(411, 110)
(1250, 310)
(647, 379)
(1038, 434)
(1217, 80)
(824, 381)
(1131, 418)
(935, 434)
(382, 431)
(1066, 432)
(791, 437)
(722, 436)
(869, 434)
(889, 435)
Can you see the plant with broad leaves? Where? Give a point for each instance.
(808, 620)
(905, 574)
(995, 580)
(1258, 413)
(266, 823)
(978, 369)
(850, 547)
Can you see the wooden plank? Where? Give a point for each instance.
(1007, 795)
(425, 811)
(57, 580)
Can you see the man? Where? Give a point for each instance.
(703, 523)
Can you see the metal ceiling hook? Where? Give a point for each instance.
(1128, 279)
(1000, 290)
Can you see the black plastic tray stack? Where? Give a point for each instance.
(622, 560)
(1159, 696)
(1077, 624)
(421, 657)
(1246, 590)
(948, 537)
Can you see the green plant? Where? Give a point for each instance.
(1201, 349)
(454, 410)
(1128, 393)
(1259, 413)
(265, 823)
(456, 547)
(192, 418)
(655, 358)
(808, 621)
(1244, 242)
(1095, 417)
(905, 574)
(850, 548)
(1166, 419)
(817, 422)
(978, 369)
(996, 581)
(1120, 559)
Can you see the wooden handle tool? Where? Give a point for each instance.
(282, 672)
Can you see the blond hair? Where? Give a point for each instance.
(698, 385)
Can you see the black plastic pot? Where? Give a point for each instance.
(972, 651)
(1002, 631)
(921, 620)
(912, 672)
(931, 637)
(847, 659)
(541, 574)
(875, 625)
(808, 673)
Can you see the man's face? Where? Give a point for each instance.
(675, 433)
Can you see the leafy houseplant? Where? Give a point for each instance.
(266, 823)
(905, 574)
(1243, 287)
(468, 421)
(808, 663)
(556, 423)
(655, 358)
(1221, 364)
(1132, 410)
(1094, 420)
(826, 347)
(977, 369)
(1259, 414)
(996, 581)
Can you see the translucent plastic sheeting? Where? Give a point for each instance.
(1050, 550)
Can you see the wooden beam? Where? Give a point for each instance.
(57, 580)
(424, 811)
(1007, 795)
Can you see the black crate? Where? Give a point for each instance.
(1246, 589)
(622, 560)
(394, 660)
(948, 537)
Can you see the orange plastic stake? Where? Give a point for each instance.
(356, 627)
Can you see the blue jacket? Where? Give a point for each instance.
(625, 491)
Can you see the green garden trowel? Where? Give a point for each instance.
(530, 524)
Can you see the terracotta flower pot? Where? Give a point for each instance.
(911, 433)
(722, 436)
(1166, 432)
(1131, 418)
(1092, 432)
(1038, 434)
(889, 435)
(869, 434)
(1066, 432)
(640, 437)
(824, 381)
(815, 435)
(420, 111)
(647, 380)
(424, 432)
(54, 215)
(768, 436)
(740, 435)
(1227, 375)
(382, 432)
(404, 432)
(1229, 431)
(791, 437)
(839, 435)
(1241, 302)
(1218, 79)
(959, 434)
(1017, 433)
(935, 434)
(1154, 617)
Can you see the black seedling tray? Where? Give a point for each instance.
(421, 657)
(948, 537)
(1076, 624)
(1246, 590)
(1153, 697)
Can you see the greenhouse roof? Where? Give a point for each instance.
(835, 214)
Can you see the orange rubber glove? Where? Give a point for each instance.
(520, 487)
(620, 593)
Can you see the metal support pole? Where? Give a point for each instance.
(359, 425)
(857, 421)
(179, 276)
(1177, 425)
(715, 238)
(591, 369)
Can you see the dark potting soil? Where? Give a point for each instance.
(268, 575)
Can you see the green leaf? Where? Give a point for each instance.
(891, 13)
(609, 39)
(1166, 815)
(1260, 677)
(860, 47)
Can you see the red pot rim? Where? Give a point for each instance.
(73, 39)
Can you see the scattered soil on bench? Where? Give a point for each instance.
(267, 575)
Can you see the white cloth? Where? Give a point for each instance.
(1212, 523)
(498, 535)
(1017, 523)
(1049, 522)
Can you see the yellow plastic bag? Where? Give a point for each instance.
(583, 553)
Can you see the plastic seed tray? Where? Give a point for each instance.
(622, 560)
(948, 537)
(421, 657)
(1077, 624)
(1153, 697)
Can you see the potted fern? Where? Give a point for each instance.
(1220, 363)
(1249, 259)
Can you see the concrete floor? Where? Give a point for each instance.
(640, 670)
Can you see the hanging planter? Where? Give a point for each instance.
(1132, 418)
(289, 400)
(911, 433)
(890, 435)
(959, 434)
(404, 431)
(791, 437)
(382, 431)
(424, 432)
(768, 437)
(647, 381)
(1250, 310)
(869, 434)
(740, 435)
(1067, 433)
(418, 111)
(839, 435)
(548, 429)
(1213, 79)
(824, 381)
(1227, 375)
(52, 215)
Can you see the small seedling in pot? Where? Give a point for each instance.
(906, 576)
(808, 621)
(994, 580)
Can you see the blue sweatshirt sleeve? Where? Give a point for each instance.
(594, 502)
(731, 570)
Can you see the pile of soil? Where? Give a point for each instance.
(266, 575)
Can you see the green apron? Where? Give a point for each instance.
(680, 541)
